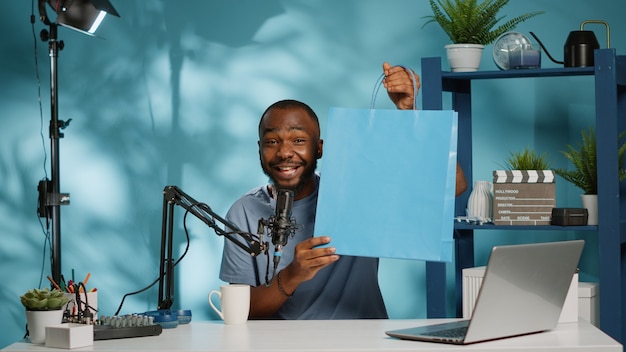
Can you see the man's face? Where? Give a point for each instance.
(289, 147)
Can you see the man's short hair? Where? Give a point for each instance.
(291, 104)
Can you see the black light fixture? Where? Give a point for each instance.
(81, 15)
(84, 16)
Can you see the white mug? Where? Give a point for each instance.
(234, 301)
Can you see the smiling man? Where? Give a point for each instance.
(311, 282)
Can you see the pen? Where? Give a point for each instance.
(85, 282)
(54, 283)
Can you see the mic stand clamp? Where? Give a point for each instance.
(271, 224)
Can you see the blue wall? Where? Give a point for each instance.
(172, 95)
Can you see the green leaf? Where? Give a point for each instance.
(584, 175)
(45, 299)
(527, 160)
(469, 22)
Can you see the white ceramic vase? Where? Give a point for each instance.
(464, 57)
(590, 202)
(480, 202)
(37, 321)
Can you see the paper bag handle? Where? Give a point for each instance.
(379, 82)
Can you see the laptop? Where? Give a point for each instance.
(523, 292)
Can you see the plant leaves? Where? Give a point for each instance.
(468, 22)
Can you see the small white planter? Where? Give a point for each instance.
(464, 57)
(590, 202)
(37, 321)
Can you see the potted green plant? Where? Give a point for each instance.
(584, 175)
(43, 308)
(45, 299)
(524, 191)
(527, 159)
(471, 25)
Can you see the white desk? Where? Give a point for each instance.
(335, 335)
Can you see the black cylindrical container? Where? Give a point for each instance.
(579, 49)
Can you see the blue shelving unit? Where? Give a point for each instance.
(610, 90)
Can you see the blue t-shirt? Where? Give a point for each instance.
(346, 289)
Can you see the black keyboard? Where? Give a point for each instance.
(106, 332)
(454, 333)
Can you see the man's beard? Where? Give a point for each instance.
(309, 171)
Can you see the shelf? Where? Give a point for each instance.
(525, 73)
(466, 226)
(609, 81)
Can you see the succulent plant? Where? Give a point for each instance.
(45, 299)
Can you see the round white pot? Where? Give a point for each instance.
(464, 57)
(590, 201)
(37, 321)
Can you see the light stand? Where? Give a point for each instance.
(50, 199)
(173, 196)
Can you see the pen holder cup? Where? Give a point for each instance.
(91, 300)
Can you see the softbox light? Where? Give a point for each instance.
(81, 15)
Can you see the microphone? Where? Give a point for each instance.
(283, 226)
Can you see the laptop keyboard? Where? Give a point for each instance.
(455, 333)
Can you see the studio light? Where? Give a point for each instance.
(81, 15)
(84, 16)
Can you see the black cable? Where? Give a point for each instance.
(32, 22)
(134, 293)
(160, 274)
(45, 229)
(87, 316)
(268, 282)
(41, 128)
(245, 234)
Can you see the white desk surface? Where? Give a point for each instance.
(335, 335)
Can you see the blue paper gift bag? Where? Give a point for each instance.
(387, 184)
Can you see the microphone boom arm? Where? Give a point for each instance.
(173, 196)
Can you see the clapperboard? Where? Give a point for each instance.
(523, 197)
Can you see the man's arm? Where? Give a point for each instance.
(399, 87)
(308, 260)
(461, 182)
